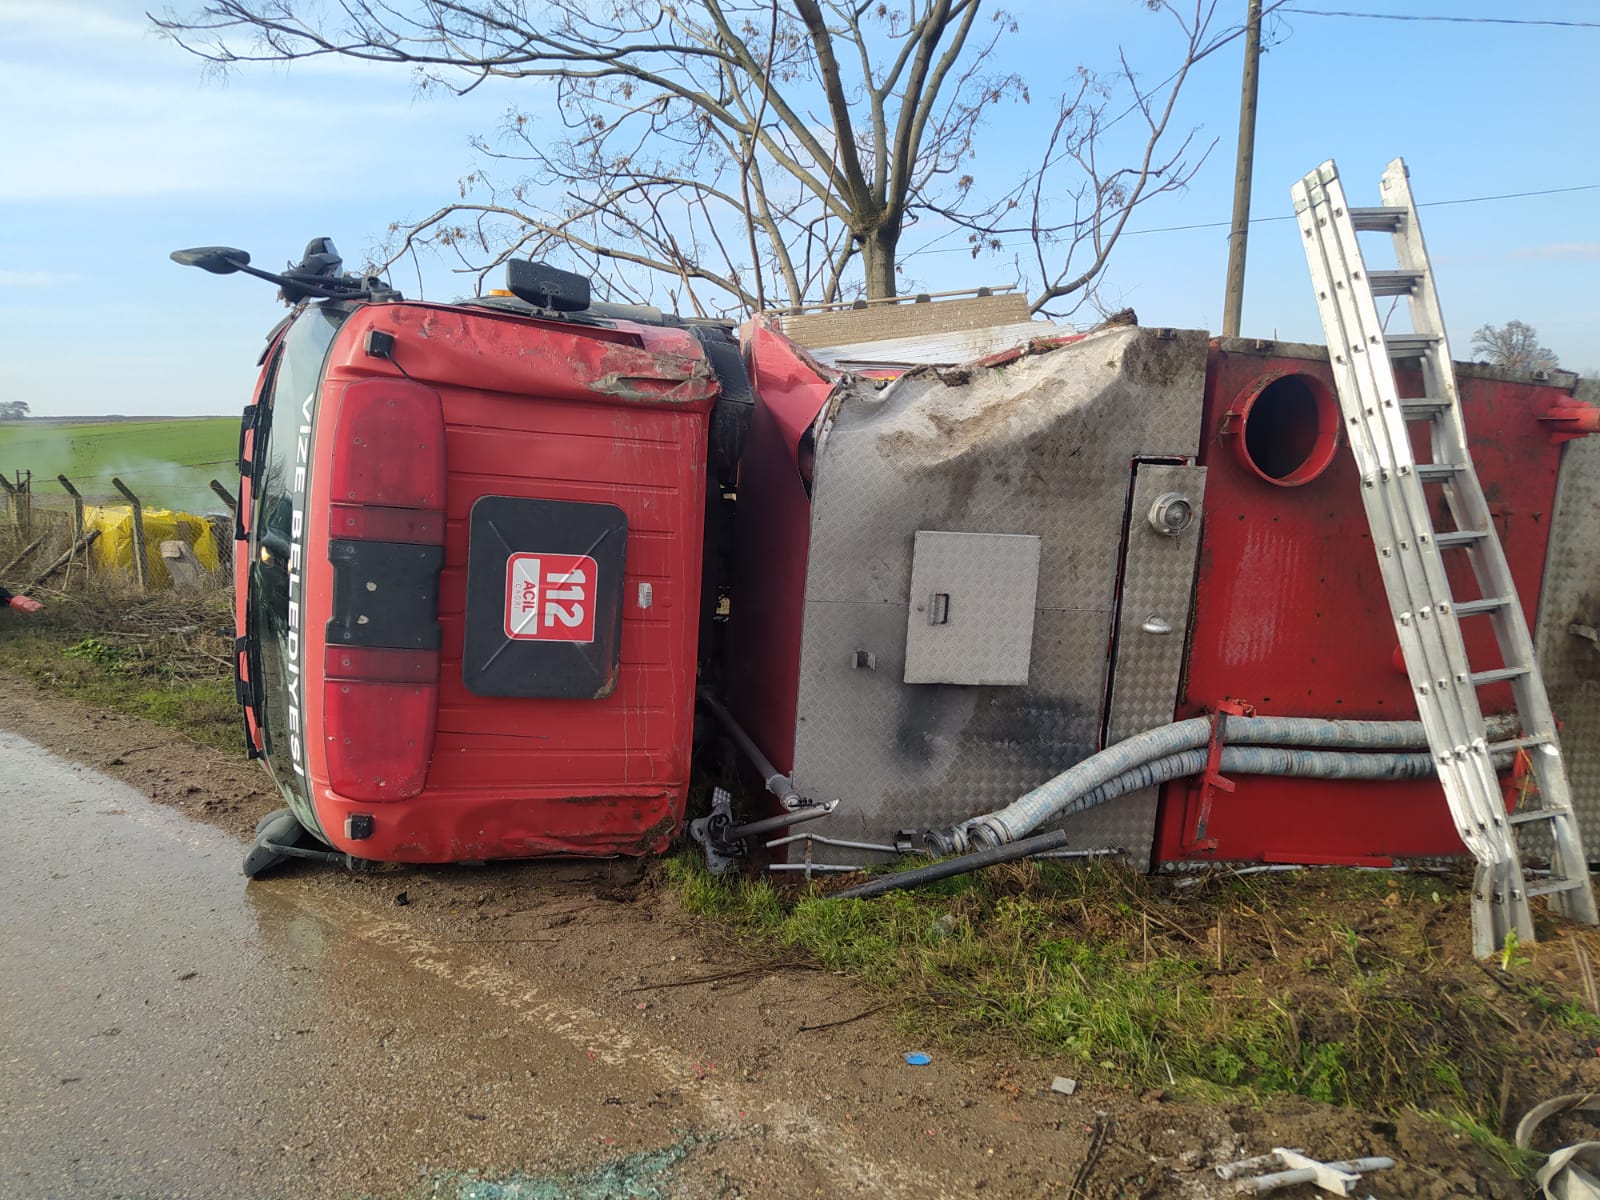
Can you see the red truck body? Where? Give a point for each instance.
(477, 601)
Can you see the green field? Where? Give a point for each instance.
(168, 462)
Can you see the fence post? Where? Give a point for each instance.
(77, 526)
(140, 564)
(77, 505)
(225, 495)
(11, 501)
(24, 500)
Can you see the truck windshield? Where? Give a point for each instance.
(276, 589)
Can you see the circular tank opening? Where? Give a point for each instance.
(1288, 427)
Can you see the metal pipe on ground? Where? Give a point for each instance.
(1325, 1175)
(993, 856)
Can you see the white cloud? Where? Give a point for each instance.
(1563, 250)
(36, 279)
(98, 136)
(68, 20)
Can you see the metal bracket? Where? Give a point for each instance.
(1212, 781)
(722, 853)
(725, 843)
(807, 865)
(1567, 419)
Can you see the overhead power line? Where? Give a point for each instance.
(1326, 12)
(1581, 187)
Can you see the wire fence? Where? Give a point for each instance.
(138, 535)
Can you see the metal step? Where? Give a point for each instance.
(1473, 608)
(1521, 743)
(1496, 675)
(1404, 346)
(1438, 472)
(1394, 283)
(1528, 816)
(1423, 408)
(1378, 220)
(1458, 537)
(1550, 886)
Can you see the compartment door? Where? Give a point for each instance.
(1155, 601)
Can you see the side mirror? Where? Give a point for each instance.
(219, 260)
(547, 287)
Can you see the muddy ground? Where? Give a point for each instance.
(775, 1036)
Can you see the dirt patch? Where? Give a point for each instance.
(803, 1054)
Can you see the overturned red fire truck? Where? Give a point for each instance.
(910, 560)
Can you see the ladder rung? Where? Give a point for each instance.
(1377, 220)
(1521, 743)
(1555, 885)
(1423, 408)
(1410, 345)
(1459, 537)
(1473, 608)
(1497, 675)
(1532, 814)
(1436, 472)
(1394, 283)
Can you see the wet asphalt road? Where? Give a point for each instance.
(166, 1031)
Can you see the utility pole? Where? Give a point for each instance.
(1233, 300)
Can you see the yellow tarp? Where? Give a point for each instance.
(113, 549)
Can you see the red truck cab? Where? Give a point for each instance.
(468, 569)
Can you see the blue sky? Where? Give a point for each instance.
(118, 147)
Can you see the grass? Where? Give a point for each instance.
(164, 657)
(1345, 987)
(168, 463)
(1523, 1162)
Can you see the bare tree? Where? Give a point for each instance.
(750, 153)
(1514, 344)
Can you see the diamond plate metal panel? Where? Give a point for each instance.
(972, 602)
(1570, 663)
(1157, 594)
(1147, 664)
(1038, 446)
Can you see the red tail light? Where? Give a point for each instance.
(386, 538)
(379, 708)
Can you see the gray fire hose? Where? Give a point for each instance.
(1295, 741)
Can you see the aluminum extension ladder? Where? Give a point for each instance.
(1411, 553)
